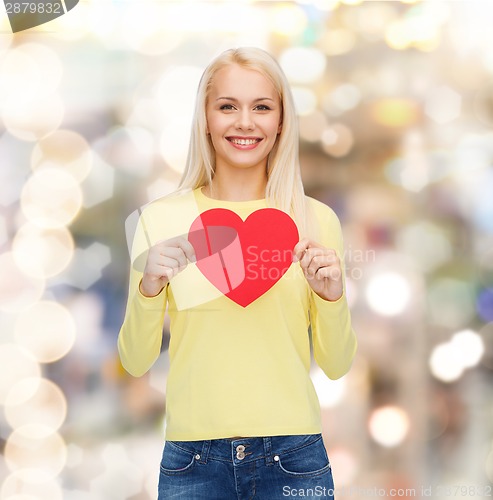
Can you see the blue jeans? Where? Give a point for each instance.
(261, 468)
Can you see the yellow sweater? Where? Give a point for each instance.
(234, 370)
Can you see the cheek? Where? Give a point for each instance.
(216, 126)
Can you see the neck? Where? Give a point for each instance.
(239, 186)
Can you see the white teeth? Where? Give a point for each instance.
(244, 142)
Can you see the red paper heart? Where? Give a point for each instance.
(243, 259)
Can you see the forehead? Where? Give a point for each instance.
(236, 81)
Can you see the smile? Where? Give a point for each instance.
(247, 143)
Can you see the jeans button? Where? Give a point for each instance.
(240, 455)
(239, 448)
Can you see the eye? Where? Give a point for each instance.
(262, 107)
(226, 107)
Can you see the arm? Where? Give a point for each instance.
(140, 337)
(334, 341)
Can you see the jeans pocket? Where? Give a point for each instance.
(309, 461)
(175, 460)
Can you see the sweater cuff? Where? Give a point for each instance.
(331, 308)
(155, 302)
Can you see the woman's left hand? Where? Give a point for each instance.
(322, 268)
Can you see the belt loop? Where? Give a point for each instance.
(205, 451)
(268, 450)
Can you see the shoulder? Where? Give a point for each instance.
(321, 211)
(323, 224)
(168, 216)
(169, 202)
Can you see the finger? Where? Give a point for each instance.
(174, 253)
(321, 260)
(300, 249)
(179, 242)
(302, 246)
(187, 248)
(333, 273)
(163, 267)
(309, 255)
(178, 263)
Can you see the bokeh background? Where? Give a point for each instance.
(395, 104)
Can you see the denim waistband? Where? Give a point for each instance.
(249, 448)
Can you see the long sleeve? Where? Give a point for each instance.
(334, 340)
(140, 337)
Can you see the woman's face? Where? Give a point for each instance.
(243, 118)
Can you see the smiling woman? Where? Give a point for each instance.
(232, 243)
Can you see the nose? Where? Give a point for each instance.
(245, 120)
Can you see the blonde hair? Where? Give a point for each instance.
(284, 188)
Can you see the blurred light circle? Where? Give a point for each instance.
(470, 346)
(330, 392)
(443, 104)
(427, 243)
(175, 93)
(28, 72)
(342, 98)
(19, 79)
(16, 365)
(47, 331)
(287, 19)
(103, 18)
(35, 401)
(346, 463)
(389, 425)
(446, 363)
(42, 253)
(303, 64)
(161, 187)
(33, 121)
(49, 64)
(305, 100)
(311, 126)
(19, 485)
(142, 29)
(395, 112)
(451, 302)
(337, 41)
(397, 36)
(66, 150)
(388, 293)
(174, 144)
(337, 140)
(130, 149)
(51, 198)
(18, 291)
(37, 449)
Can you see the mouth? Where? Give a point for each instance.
(244, 142)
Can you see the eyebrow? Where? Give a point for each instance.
(236, 100)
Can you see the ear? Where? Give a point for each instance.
(279, 128)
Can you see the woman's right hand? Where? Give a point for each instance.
(165, 260)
